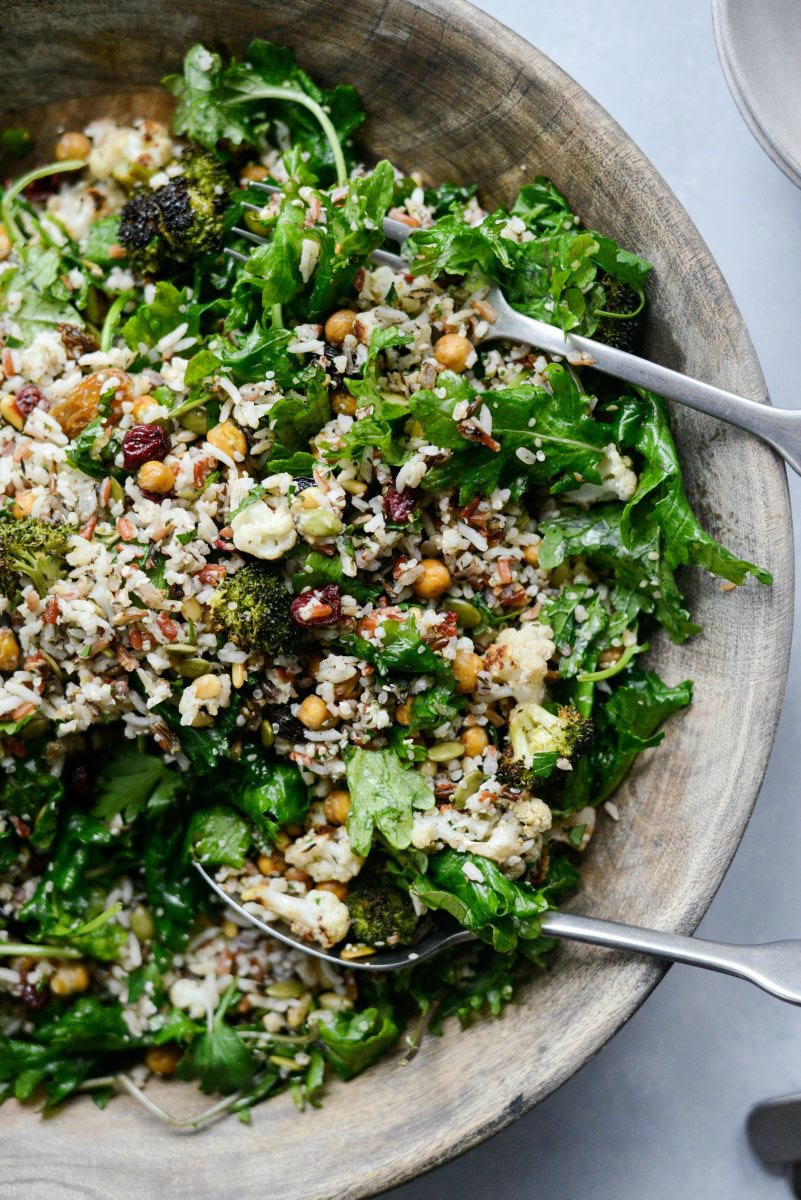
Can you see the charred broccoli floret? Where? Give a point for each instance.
(179, 221)
(34, 550)
(623, 329)
(252, 609)
(381, 914)
(538, 739)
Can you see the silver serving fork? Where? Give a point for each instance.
(780, 428)
(773, 966)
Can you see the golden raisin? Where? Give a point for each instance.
(82, 404)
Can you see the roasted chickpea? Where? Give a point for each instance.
(271, 864)
(343, 402)
(452, 351)
(474, 740)
(155, 477)
(5, 243)
(433, 581)
(254, 172)
(403, 712)
(229, 438)
(340, 890)
(466, 666)
(69, 979)
(339, 325)
(9, 651)
(72, 145)
(531, 555)
(313, 713)
(162, 1060)
(336, 806)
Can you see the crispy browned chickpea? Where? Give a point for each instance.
(313, 713)
(155, 477)
(69, 979)
(466, 666)
(254, 172)
(72, 145)
(531, 555)
(162, 1060)
(433, 581)
(343, 402)
(271, 864)
(403, 712)
(229, 438)
(336, 806)
(474, 740)
(340, 890)
(339, 325)
(452, 351)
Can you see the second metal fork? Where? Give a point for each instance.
(779, 428)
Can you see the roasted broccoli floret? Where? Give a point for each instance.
(179, 221)
(252, 608)
(624, 329)
(34, 550)
(381, 914)
(538, 739)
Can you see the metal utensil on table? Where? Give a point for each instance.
(773, 966)
(780, 428)
(774, 1131)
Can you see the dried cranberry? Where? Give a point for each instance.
(145, 443)
(399, 506)
(30, 397)
(39, 189)
(34, 997)
(318, 607)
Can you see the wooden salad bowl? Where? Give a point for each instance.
(454, 93)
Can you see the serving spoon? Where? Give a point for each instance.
(773, 966)
(779, 428)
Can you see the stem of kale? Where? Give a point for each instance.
(196, 1121)
(282, 93)
(112, 319)
(13, 230)
(414, 1039)
(32, 950)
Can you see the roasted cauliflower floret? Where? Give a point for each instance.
(317, 917)
(519, 658)
(325, 854)
(264, 531)
(618, 480)
(509, 833)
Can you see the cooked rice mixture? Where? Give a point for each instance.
(304, 580)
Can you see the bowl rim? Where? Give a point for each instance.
(409, 1160)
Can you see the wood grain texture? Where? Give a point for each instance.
(451, 91)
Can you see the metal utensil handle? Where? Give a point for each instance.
(780, 428)
(775, 966)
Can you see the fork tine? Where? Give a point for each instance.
(251, 237)
(265, 187)
(252, 207)
(235, 254)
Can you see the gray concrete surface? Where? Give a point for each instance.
(659, 1113)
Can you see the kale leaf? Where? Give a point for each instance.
(499, 910)
(383, 797)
